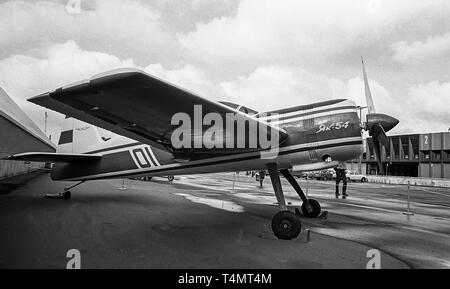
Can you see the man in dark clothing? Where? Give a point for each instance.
(341, 176)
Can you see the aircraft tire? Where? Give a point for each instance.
(286, 225)
(171, 178)
(316, 209)
(67, 195)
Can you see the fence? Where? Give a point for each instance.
(13, 168)
(425, 182)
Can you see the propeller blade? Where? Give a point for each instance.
(369, 100)
(379, 134)
(377, 149)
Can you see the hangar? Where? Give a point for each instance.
(415, 155)
(22, 135)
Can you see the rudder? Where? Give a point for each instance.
(77, 137)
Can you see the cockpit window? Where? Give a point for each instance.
(240, 108)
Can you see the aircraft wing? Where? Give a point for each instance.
(134, 104)
(53, 157)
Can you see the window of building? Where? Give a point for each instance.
(415, 140)
(446, 155)
(425, 155)
(388, 150)
(405, 146)
(396, 147)
(437, 155)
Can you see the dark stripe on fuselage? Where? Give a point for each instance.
(244, 158)
(66, 137)
(69, 168)
(306, 107)
(314, 112)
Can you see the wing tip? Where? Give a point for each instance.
(109, 73)
(40, 96)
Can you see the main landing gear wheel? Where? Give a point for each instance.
(315, 206)
(171, 178)
(286, 225)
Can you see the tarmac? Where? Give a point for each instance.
(219, 221)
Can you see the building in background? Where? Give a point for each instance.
(22, 135)
(415, 155)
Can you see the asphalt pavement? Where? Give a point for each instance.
(219, 221)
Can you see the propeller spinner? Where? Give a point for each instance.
(377, 124)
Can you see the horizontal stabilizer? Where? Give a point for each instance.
(54, 157)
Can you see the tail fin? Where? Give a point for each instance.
(77, 137)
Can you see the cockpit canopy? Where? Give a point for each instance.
(240, 108)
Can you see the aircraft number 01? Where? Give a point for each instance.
(144, 158)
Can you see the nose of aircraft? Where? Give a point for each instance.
(386, 121)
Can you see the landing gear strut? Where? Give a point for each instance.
(310, 208)
(285, 225)
(67, 195)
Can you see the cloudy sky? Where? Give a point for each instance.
(260, 53)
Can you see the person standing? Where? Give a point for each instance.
(341, 176)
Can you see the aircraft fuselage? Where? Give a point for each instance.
(322, 134)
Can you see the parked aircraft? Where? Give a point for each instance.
(139, 108)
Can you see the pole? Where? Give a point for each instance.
(234, 180)
(308, 235)
(46, 118)
(408, 212)
(307, 186)
(123, 188)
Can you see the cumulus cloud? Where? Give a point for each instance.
(272, 87)
(354, 89)
(421, 50)
(125, 28)
(428, 105)
(290, 31)
(24, 76)
(187, 77)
